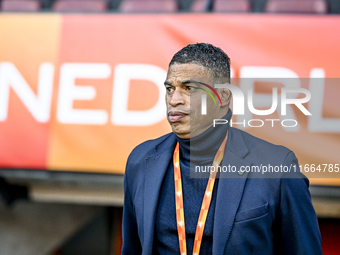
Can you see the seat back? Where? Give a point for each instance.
(80, 6)
(20, 5)
(297, 6)
(144, 6)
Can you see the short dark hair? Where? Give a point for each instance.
(204, 54)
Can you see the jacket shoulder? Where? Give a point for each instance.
(265, 154)
(142, 152)
(146, 148)
(257, 144)
(261, 150)
(136, 161)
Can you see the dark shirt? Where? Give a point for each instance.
(199, 151)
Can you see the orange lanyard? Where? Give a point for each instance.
(205, 204)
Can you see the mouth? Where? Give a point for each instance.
(175, 116)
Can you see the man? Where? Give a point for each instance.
(240, 214)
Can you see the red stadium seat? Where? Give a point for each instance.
(222, 6)
(166, 6)
(80, 6)
(20, 5)
(296, 6)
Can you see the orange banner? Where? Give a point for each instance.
(79, 92)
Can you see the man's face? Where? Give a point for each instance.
(183, 100)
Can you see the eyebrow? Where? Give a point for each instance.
(183, 82)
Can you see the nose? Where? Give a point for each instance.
(177, 98)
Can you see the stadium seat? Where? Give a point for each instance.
(222, 6)
(132, 6)
(20, 5)
(297, 6)
(80, 6)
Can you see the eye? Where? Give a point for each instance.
(169, 89)
(190, 88)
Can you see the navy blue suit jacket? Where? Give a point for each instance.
(252, 215)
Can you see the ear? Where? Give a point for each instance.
(225, 96)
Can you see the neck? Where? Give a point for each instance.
(201, 150)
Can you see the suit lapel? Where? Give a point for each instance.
(156, 167)
(230, 191)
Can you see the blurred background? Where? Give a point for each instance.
(81, 84)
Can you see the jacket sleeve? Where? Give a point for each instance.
(297, 226)
(131, 242)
